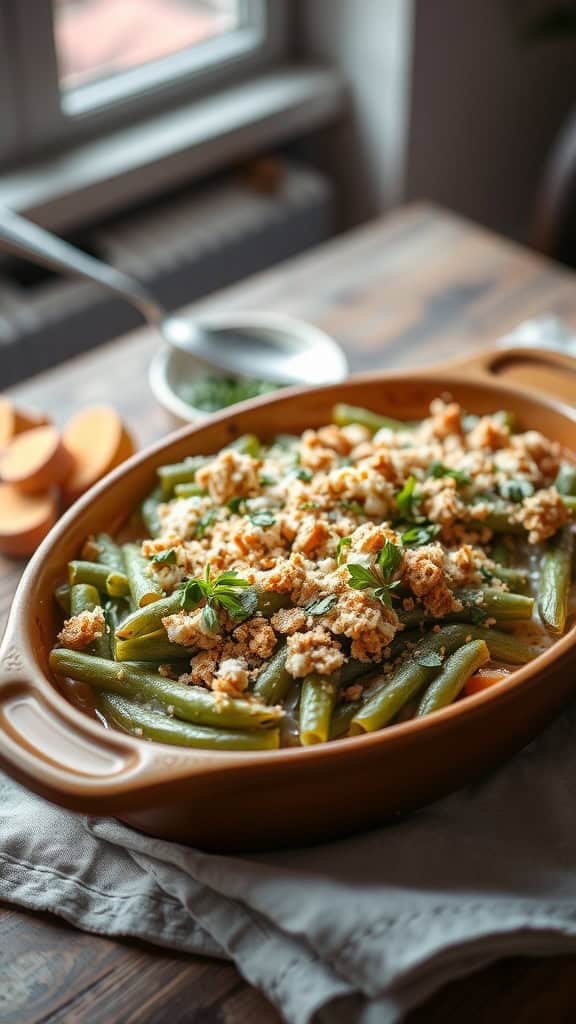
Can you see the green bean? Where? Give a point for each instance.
(152, 647)
(154, 725)
(503, 647)
(189, 491)
(554, 585)
(109, 552)
(144, 589)
(274, 681)
(517, 579)
(498, 520)
(496, 604)
(453, 675)
(566, 479)
(149, 618)
(149, 511)
(407, 680)
(246, 444)
(500, 552)
(317, 700)
(179, 473)
(269, 602)
(107, 581)
(192, 703)
(345, 415)
(62, 597)
(85, 598)
(342, 717)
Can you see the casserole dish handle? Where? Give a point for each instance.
(544, 370)
(63, 754)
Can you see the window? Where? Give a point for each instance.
(71, 69)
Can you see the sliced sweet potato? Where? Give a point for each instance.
(25, 519)
(35, 460)
(14, 420)
(98, 441)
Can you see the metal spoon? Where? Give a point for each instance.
(234, 350)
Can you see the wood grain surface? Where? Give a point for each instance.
(411, 289)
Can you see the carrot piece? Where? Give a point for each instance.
(35, 460)
(99, 442)
(484, 680)
(25, 519)
(14, 420)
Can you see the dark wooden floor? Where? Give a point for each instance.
(413, 288)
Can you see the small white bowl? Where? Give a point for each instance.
(171, 367)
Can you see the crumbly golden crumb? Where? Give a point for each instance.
(423, 572)
(255, 638)
(203, 667)
(232, 677)
(230, 475)
(370, 625)
(489, 433)
(314, 651)
(83, 629)
(542, 514)
(289, 620)
(189, 629)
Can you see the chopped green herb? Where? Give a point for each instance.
(418, 535)
(515, 490)
(486, 573)
(309, 504)
(210, 392)
(353, 506)
(406, 498)
(438, 469)
(210, 619)
(205, 522)
(383, 594)
(267, 481)
(236, 506)
(302, 474)
(227, 591)
(262, 518)
(325, 604)
(344, 542)
(362, 578)
(167, 557)
(389, 558)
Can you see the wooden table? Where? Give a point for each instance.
(415, 287)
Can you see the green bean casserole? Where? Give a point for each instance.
(326, 585)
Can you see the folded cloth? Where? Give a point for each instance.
(356, 931)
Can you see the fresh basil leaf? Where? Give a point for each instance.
(438, 470)
(167, 557)
(325, 604)
(192, 594)
(389, 558)
(361, 578)
(406, 498)
(344, 542)
(262, 518)
(429, 659)
(230, 578)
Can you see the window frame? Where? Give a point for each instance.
(38, 118)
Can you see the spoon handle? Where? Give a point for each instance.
(23, 238)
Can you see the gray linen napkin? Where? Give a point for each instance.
(356, 931)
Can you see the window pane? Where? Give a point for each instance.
(98, 39)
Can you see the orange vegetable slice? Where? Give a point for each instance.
(35, 460)
(98, 441)
(484, 680)
(14, 420)
(25, 519)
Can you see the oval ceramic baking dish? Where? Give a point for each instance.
(294, 795)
